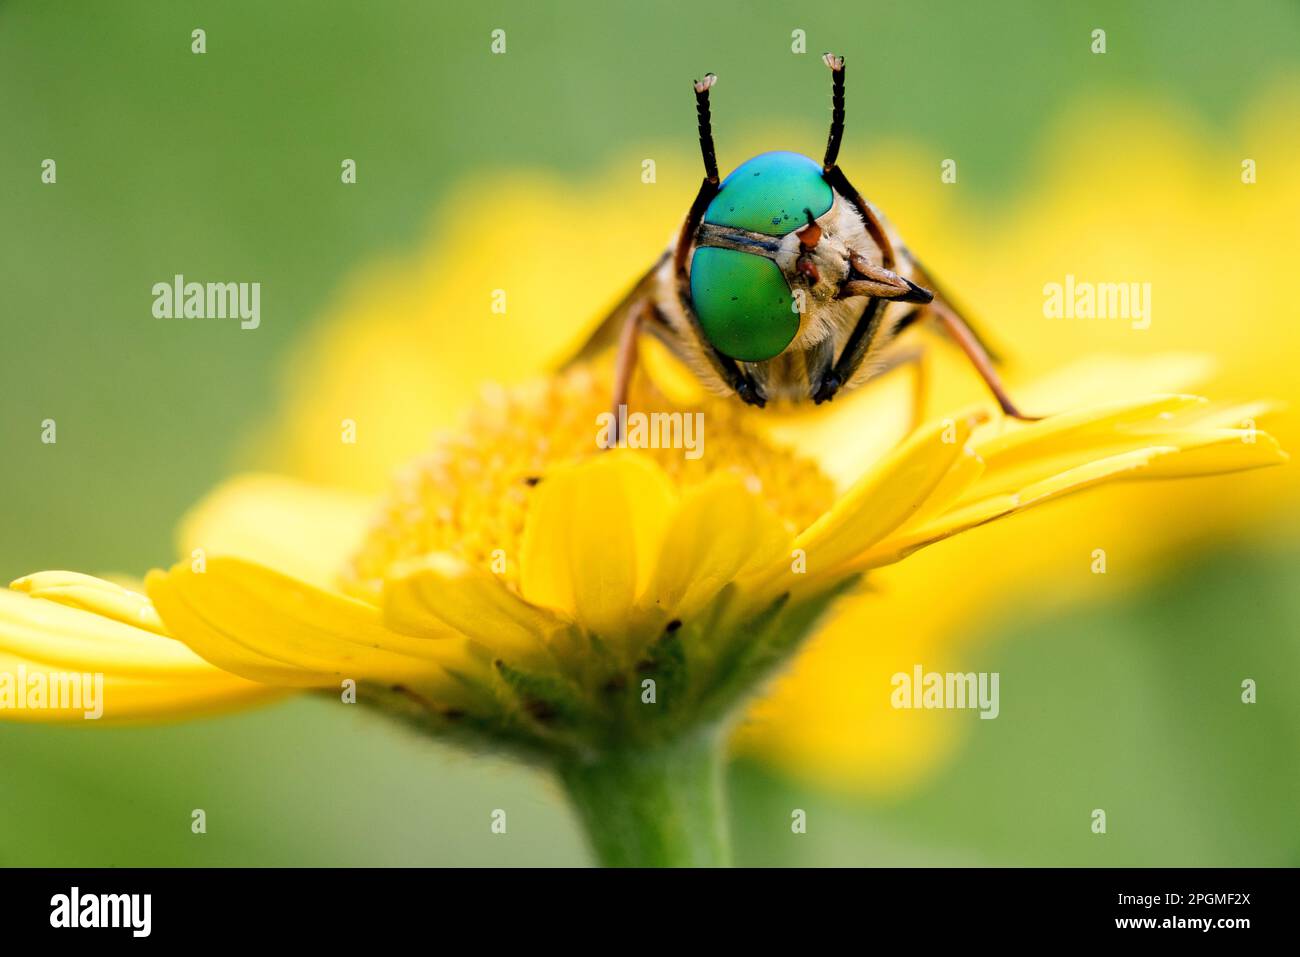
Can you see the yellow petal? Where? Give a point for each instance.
(1221, 415)
(911, 537)
(847, 436)
(440, 594)
(1199, 453)
(269, 627)
(144, 675)
(886, 497)
(94, 595)
(1090, 473)
(970, 515)
(1024, 452)
(1056, 445)
(1079, 427)
(306, 531)
(954, 486)
(58, 634)
(592, 537)
(880, 414)
(1214, 452)
(719, 532)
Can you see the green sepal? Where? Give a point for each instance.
(548, 701)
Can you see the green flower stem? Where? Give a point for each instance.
(658, 805)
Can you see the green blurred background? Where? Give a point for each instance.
(226, 165)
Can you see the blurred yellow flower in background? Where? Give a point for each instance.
(1165, 210)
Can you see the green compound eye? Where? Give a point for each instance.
(769, 193)
(743, 302)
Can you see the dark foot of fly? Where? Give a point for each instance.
(826, 391)
(1010, 410)
(750, 395)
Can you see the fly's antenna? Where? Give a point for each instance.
(836, 63)
(702, 88)
(708, 186)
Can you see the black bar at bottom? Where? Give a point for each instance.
(337, 906)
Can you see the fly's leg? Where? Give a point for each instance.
(625, 363)
(961, 333)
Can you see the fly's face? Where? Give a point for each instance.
(763, 256)
(770, 268)
(789, 320)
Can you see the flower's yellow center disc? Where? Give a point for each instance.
(470, 495)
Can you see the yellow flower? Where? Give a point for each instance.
(389, 360)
